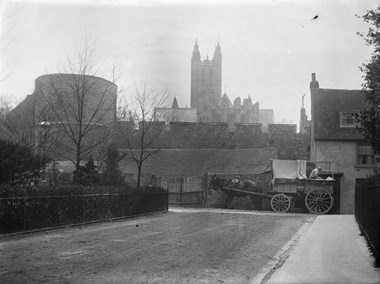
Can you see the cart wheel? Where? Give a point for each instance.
(319, 201)
(280, 203)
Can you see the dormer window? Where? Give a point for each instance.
(347, 119)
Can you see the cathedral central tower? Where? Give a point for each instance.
(206, 80)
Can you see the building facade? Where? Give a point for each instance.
(206, 80)
(176, 114)
(336, 144)
(208, 102)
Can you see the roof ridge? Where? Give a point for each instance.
(329, 89)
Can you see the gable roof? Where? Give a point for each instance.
(175, 103)
(225, 101)
(326, 105)
(197, 162)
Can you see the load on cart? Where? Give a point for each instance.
(290, 186)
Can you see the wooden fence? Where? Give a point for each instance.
(367, 210)
(185, 191)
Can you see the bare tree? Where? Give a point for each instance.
(83, 104)
(8, 23)
(9, 20)
(5, 106)
(21, 124)
(142, 131)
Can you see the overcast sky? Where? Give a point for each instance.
(269, 48)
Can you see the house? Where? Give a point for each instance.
(335, 139)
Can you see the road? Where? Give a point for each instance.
(211, 246)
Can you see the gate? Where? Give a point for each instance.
(185, 191)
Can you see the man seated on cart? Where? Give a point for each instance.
(314, 173)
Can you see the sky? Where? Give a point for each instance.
(269, 48)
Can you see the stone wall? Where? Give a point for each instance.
(189, 135)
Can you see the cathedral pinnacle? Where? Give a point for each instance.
(196, 55)
(175, 103)
(217, 49)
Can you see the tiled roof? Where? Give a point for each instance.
(196, 162)
(326, 105)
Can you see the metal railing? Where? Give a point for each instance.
(24, 214)
(367, 211)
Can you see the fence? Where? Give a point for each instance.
(185, 191)
(23, 214)
(367, 210)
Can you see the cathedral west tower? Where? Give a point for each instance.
(206, 80)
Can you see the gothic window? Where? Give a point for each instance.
(210, 78)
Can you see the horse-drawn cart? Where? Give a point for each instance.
(289, 185)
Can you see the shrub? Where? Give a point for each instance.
(112, 174)
(87, 174)
(19, 163)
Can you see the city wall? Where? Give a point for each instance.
(283, 137)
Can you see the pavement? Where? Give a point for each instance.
(326, 249)
(329, 250)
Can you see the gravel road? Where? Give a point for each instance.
(190, 246)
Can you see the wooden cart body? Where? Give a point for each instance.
(317, 194)
(298, 186)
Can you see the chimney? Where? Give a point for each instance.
(314, 83)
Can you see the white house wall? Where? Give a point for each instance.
(344, 158)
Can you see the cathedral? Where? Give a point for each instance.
(207, 99)
(206, 80)
(207, 104)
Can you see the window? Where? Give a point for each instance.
(347, 119)
(365, 155)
